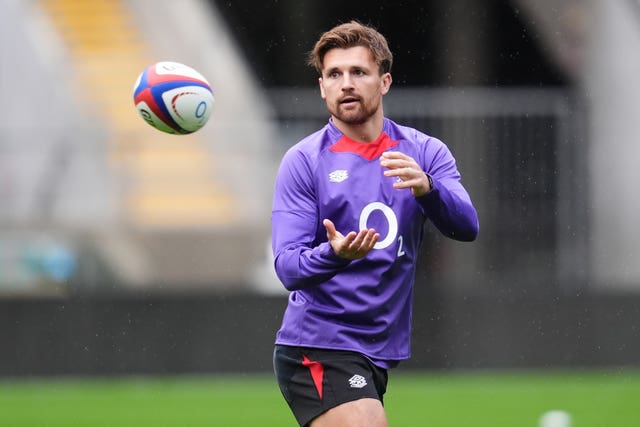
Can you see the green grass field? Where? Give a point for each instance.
(474, 399)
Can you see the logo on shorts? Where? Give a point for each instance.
(357, 381)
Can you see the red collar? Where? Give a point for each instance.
(368, 150)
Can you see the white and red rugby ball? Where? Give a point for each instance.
(173, 98)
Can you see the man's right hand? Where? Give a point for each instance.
(353, 245)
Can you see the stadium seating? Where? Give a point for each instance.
(165, 181)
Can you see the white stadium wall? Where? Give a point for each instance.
(612, 86)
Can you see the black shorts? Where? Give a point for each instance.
(315, 380)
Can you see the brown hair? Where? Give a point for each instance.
(350, 35)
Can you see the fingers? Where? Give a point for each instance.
(399, 164)
(396, 159)
(353, 245)
(404, 174)
(331, 229)
(364, 241)
(358, 245)
(409, 174)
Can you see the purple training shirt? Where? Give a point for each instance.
(363, 305)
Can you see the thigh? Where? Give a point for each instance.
(358, 413)
(313, 381)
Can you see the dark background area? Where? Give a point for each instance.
(431, 40)
(117, 335)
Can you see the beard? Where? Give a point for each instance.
(355, 113)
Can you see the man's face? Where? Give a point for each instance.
(351, 84)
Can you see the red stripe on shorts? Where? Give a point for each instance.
(317, 372)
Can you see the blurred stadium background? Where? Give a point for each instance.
(126, 251)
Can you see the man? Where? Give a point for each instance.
(349, 207)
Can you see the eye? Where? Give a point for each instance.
(333, 74)
(359, 72)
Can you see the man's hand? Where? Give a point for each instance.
(409, 173)
(353, 245)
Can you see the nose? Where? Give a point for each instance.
(347, 82)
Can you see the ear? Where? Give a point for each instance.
(385, 83)
(322, 94)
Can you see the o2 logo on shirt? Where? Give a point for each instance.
(392, 220)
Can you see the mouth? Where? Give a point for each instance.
(349, 100)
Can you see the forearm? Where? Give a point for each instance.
(299, 266)
(451, 211)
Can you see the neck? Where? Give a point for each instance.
(363, 132)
